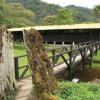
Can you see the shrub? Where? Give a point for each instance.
(78, 91)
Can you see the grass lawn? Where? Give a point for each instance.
(18, 50)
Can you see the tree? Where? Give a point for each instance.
(42, 72)
(81, 14)
(7, 82)
(2, 11)
(64, 16)
(15, 15)
(49, 20)
(96, 11)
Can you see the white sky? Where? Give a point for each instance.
(83, 3)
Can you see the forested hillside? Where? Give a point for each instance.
(81, 14)
(40, 8)
(30, 12)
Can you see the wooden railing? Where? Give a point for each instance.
(67, 55)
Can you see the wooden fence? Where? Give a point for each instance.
(67, 55)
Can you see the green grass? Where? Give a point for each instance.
(78, 91)
(19, 50)
(96, 57)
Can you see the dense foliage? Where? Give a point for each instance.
(81, 14)
(40, 8)
(15, 15)
(62, 16)
(78, 91)
(3, 11)
(48, 14)
(96, 11)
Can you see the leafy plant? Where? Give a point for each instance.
(78, 91)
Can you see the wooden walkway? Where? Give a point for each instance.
(24, 90)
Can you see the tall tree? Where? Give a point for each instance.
(15, 15)
(96, 11)
(42, 72)
(64, 16)
(49, 20)
(6, 64)
(2, 11)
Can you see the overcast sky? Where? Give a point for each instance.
(83, 3)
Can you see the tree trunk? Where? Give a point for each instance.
(6, 64)
(42, 72)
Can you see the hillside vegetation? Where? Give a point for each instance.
(42, 9)
(15, 15)
(20, 13)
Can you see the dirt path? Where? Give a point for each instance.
(24, 90)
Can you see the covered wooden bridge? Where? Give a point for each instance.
(81, 52)
(72, 59)
(63, 33)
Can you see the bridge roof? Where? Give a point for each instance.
(59, 27)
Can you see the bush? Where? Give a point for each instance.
(78, 91)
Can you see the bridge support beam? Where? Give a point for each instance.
(79, 55)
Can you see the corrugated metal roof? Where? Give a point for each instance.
(60, 27)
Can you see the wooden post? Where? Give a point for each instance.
(16, 68)
(42, 72)
(96, 46)
(83, 60)
(53, 59)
